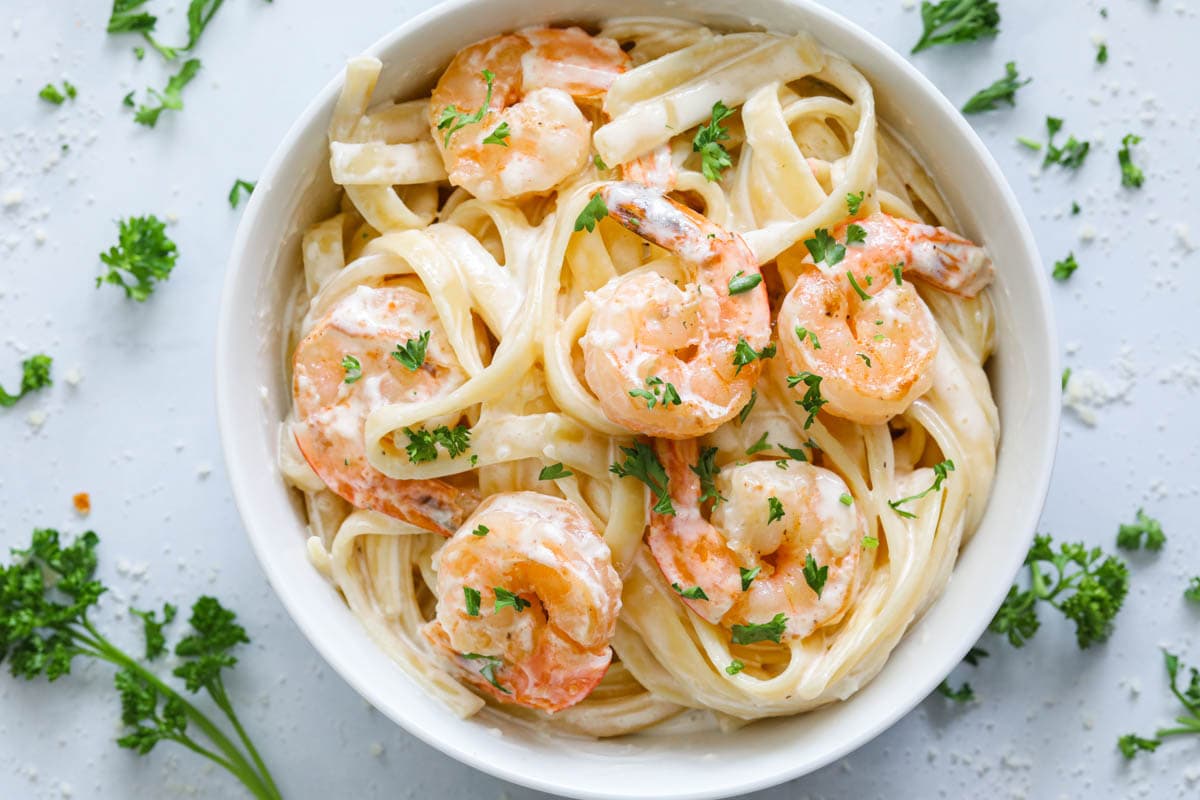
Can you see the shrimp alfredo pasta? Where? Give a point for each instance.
(635, 375)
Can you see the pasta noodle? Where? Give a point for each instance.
(510, 283)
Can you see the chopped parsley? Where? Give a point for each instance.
(774, 509)
(451, 120)
(1188, 721)
(941, 471)
(51, 94)
(1025, 141)
(498, 136)
(1143, 530)
(641, 463)
(353, 369)
(759, 446)
(487, 668)
(171, 97)
(143, 253)
(963, 694)
(593, 212)
(694, 593)
(746, 409)
(846, 499)
(554, 472)
(812, 400)
(794, 453)
(1003, 90)
(866, 358)
(1192, 592)
(815, 576)
(823, 247)
(1131, 175)
(1066, 378)
(957, 21)
(740, 283)
(706, 470)
(422, 443)
(858, 290)
(854, 202)
(760, 632)
(734, 667)
(855, 234)
(714, 158)
(35, 374)
(1074, 208)
(748, 576)
(472, 597)
(1087, 586)
(1102, 53)
(803, 333)
(658, 392)
(481, 530)
(744, 354)
(506, 599)
(870, 542)
(1063, 269)
(599, 162)
(240, 186)
(1071, 154)
(412, 354)
(898, 274)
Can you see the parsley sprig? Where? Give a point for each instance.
(1064, 269)
(1188, 722)
(706, 470)
(170, 98)
(641, 463)
(143, 253)
(1143, 530)
(1131, 175)
(957, 21)
(35, 374)
(714, 158)
(422, 443)
(760, 631)
(1087, 586)
(941, 471)
(812, 400)
(1003, 90)
(46, 596)
(451, 120)
(744, 354)
(239, 187)
(411, 354)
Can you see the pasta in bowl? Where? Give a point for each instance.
(637, 380)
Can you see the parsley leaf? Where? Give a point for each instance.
(802, 332)
(1063, 269)
(1102, 53)
(694, 593)
(746, 409)
(823, 247)
(740, 283)
(471, 597)
(451, 120)
(714, 158)
(240, 186)
(1066, 378)
(481, 530)
(353, 369)
(144, 252)
(593, 212)
(957, 21)
(734, 667)
(760, 632)
(35, 374)
(1071, 154)
(422, 443)
(941, 471)
(815, 576)
(744, 354)
(869, 542)
(1087, 587)
(487, 668)
(498, 136)
(506, 599)
(1131, 175)
(641, 463)
(748, 576)
(794, 453)
(1192, 592)
(1130, 536)
(1188, 722)
(812, 400)
(858, 290)
(774, 509)
(963, 694)
(152, 629)
(412, 355)
(51, 94)
(759, 446)
(855, 234)
(854, 201)
(1003, 90)
(554, 472)
(706, 469)
(171, 98)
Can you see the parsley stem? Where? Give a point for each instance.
(223, 703)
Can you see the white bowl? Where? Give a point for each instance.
(295, 190)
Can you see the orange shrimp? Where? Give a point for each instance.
(343, 370)
(520, 131)
(528, 601)
(694, 350)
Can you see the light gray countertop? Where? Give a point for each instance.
(138, 431)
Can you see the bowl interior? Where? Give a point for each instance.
(295, 190)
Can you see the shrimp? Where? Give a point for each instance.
(527, 601)
(520, 130)
(343, 370)
(872, 340)
(747, 538)
(655, 169)
(668, 361)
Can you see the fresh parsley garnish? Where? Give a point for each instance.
(740, 282)
(714, 158)
(498, 136)
(412, 354)
(507, 599)
(802, 333)
(143, 252)
(846, 499)
(1066, 378)
(744, 354)
(734, 667)
(963, 694)
(554, 472)
(746, 409)
(353, 369)
(1071, 154)
(239, 187)
(823, 247)
(858, 290)
(957, 21)
(706, 470)
(451, 120)
(759, 446)
(481, 530)
(1131, 175)
(46, 596)
(422, 443)
(657, 391)
(487, 668)
(855, 234)
(941, 471)
(774, 509)
(1102, 53)
(812, 400)
(472, 598)
(760, 632)
(599, 162)
(641, 463)
(1063, 269)
(748, 576)
(171, 97)
(51, 94)
(1085, 585)
(1003, 90)
(870, 542)
(794, 453)
(35, 374)
(1143, 530)
(1188, 721)
(815, 576)
(1192, 592)
(593, 212)
(854, 202)
(693, 593)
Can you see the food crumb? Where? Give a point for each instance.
(83, 504)
(36, 419)
(73, 376)
(376, 749)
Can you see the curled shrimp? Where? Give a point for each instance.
(671, 361)
(343, 370)
(751, 541)
(527, 601)
(520, 131)
(871, 338)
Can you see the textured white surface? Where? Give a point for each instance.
(138, 433)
